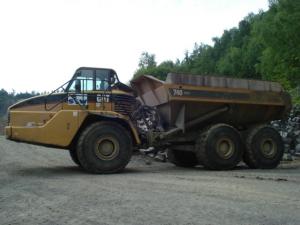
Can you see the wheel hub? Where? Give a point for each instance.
(268, 148)
(225, 148)
(107, 148)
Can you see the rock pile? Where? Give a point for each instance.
(290, 132)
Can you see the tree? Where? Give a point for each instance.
(230, 64)
(147, 61)
(7, 99)
(4, 98)
(279, 31)
(263, 46)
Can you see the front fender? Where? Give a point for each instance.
(116, 117)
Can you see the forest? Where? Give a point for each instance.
(7, 99)
(264, 46)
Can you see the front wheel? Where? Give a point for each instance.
(104, 147)
(74, 156)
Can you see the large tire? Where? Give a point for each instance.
(182, 158)
(74, 156)
(104, 147)
(219, 147)
(264, 148)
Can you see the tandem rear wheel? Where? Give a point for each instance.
(264, 148)
(104, 147)
(219, 147)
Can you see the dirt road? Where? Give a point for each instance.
(42, 186)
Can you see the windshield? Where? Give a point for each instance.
(92, 80)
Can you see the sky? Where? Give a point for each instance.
(42, 42)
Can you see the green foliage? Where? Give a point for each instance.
(147, 61)
(279, 32)
(230, 63)
(148, 65)
(7, 99)
(264, 46)
(295, 93)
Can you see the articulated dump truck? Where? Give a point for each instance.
(211, 121)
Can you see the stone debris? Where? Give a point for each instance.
(151, 154)
(290, 132)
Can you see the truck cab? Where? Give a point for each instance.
(55, 118)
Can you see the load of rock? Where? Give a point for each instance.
(290, 132)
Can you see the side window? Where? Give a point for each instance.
(92, 80)
(72, 87)
(102, 79)
(84, 81)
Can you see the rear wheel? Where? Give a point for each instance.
(182, 158)
(104, 147)
(264, 148)
(219, 147)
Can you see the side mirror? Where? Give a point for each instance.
(77, 86)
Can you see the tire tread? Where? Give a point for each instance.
(87, 166)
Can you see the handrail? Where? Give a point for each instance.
(53, 92)
(72, 95)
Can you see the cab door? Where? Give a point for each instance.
(80, 90)
(103, 90)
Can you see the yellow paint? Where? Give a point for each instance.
(33, 123)
(54, 128)
(22, 118)
(8, 132)
(59, 130)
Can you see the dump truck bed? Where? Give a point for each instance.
(249, 101)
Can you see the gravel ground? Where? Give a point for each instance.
(42, 186)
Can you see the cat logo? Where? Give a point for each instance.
(101, 98)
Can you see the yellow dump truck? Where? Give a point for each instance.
(199, 120)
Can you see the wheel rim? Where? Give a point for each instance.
(268, 148)
(225, 148)
(107, 148)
